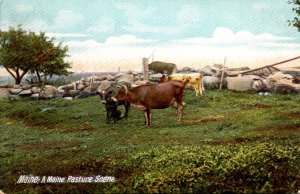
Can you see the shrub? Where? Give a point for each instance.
(253, 168)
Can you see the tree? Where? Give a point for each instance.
(22, 52)
(296, 21)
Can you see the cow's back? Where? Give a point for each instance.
(162, 67)
(159, 96)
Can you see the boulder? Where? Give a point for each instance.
(155, 77)
(35, 90)
(103, 86)
(60, 93)
(151, 72)
(208, 71)
(142, 82)
(126, 78)
(193, 70)
(67, 87)
(5, 86)
(139, 78)
(16, 86)
(26, 86)
(86, 83)
(25, 92)
(90, 90)
(111, 78)
(211, 82)
(217, 66)
(100, 78)
(48, 92)
(73, 93)
(135, 73)
(239, 83)
(258, 83)
(96, 84)
(186, 69)
(119, 75)
(68, 98)
(277, 78)
(35, 96)
(4, 93)
(15, 91)
(129, 72)
(238, 69)
(80, 86)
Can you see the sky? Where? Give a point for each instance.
(104, 35)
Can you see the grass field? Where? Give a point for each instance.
(227, 142)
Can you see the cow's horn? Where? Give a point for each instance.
(126, 89)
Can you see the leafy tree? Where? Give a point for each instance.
(296, 21)
(22, 52)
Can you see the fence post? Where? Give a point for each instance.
(222, 76)
(145, 69)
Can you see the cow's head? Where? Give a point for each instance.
(121, 93)
(187, 78)
(106, 95)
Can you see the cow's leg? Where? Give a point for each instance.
(146, 117)
(115, 114)
(200, 90)
(179, 113)
(196, 90)
(179, 107)
(202, 85)
(149, 117)
(127, 107)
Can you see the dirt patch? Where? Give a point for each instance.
(291, 115)
(280, 128)
(47, 145)
(258, 106)
(81, 127)
(204, 120)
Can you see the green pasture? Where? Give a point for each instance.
(227, 142)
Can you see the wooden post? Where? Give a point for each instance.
(272, 65)
(145, 69)
(119, 69)
(222, 77)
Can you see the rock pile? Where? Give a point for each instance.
(277, 82)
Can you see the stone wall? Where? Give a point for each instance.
(277, 82)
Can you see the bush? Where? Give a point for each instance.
(254, 168)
